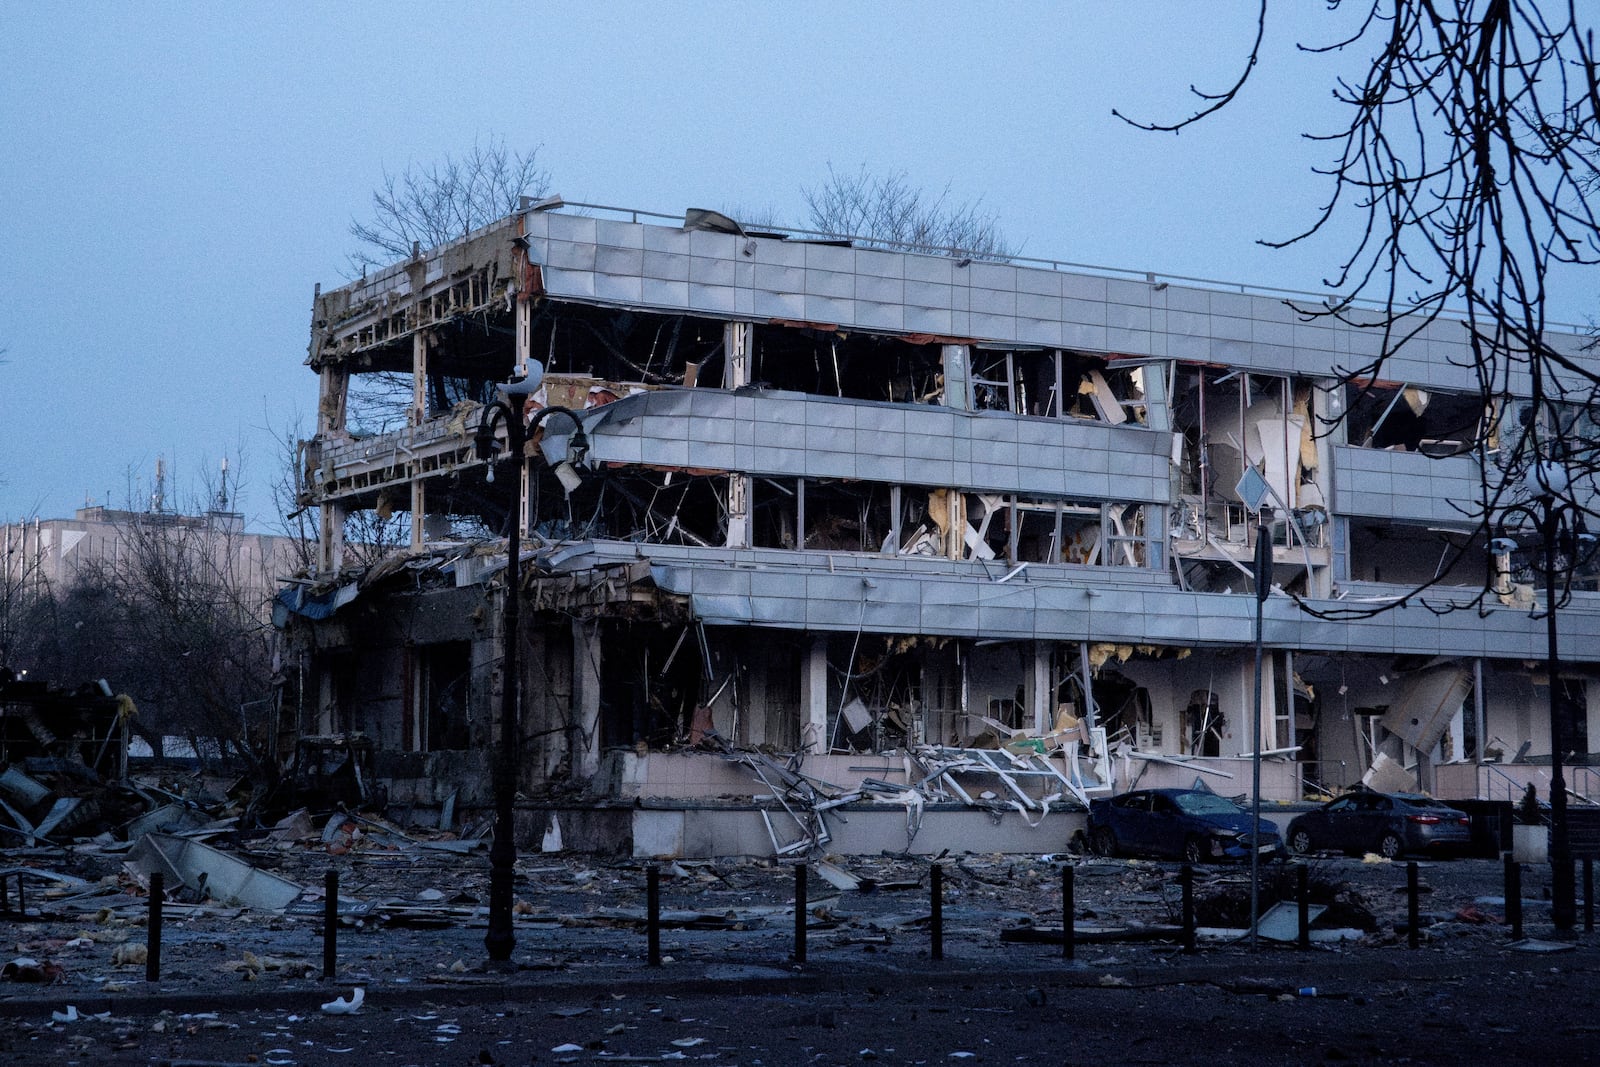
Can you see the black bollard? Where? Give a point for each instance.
(1413, 912)
(152, 959)
(1186, 880)
(330, 922)
(1588, 896)
(801, 872)
(937, 925)
(1069, 935)
(1514, 897)
(652, 913)
(1305, 906)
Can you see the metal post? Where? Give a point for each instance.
(1514, 897)
(937, 923)
(1186, 880)
(1413, 911)
(801, 873)
(501, 940)
(1263, 580)
(1588, 896)
(330, 923)
(1069, 933)
(1563, 908)
(1304, 901)
(152, 959)
(652, 914)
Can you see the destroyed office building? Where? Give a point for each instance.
(913, 517)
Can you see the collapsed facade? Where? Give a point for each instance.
(891, 510)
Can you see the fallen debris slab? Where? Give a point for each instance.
(210, 873)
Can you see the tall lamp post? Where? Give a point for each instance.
(1559, 522)
(507, 411)
(1263, 582)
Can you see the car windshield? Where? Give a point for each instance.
(1205, 804)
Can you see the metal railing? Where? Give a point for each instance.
(1514, 788)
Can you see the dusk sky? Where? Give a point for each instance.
(176, 178)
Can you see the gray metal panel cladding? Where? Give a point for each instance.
(792, 434)
(1405, 486)
(1054, 605)
(1018, 304)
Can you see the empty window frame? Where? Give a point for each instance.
(1055, 384)
(638, 504)
(1412, 554)
(1231, 420)
(1412, 419)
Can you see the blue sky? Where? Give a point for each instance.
(176, 178)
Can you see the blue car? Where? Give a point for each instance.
(1192, 825)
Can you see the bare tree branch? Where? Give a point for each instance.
(1214, 102)
(1470, 164)
(888, 211)
(427, 206)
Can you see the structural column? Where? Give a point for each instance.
(957, 369)
(332, 390)
(814, 697)
(419, 413)
(736, 373)
(1041, 696)
(585, 697)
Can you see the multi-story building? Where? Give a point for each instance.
(850, 501)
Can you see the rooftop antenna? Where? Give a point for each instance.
(158, 498)
(222, 489)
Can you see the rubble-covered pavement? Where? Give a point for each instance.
(247, 980)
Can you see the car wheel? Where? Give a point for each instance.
(1103, 842)
(1300, 841)
(1390, 847)
(1193, 849)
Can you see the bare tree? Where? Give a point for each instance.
(427, 206)
(177, 611)
(22, 587)
(1470, 166)
(886, 210)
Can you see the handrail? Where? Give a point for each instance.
(1514, 788)
(1590, 777)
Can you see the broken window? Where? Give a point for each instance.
(1231, 422)
(1412, 554)
(1204, 724)
(442, 696)
(632, 504)
(857, 366)
(1040, 530)
(1055, 384)
(621, 345)
(650, 681)
(844, 516)
(1412, 419)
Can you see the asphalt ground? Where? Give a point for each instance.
(581, 944)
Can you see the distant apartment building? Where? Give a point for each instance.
(858, 503)
(50, 554)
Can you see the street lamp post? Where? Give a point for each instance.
(1556, 520)
(500, 940)
(1263, 582)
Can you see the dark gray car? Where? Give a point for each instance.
(1390, 824)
